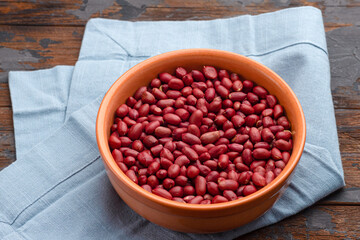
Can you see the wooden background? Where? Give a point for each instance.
(37, 34)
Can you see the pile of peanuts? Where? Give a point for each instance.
(201, 137)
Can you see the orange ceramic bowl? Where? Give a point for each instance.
(191, 217)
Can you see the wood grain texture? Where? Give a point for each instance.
(67, 12)
(6, 123)
(317, 222)
(348, 124)
(34, 47)
(4, 95)
(7, 152)
(344, 52)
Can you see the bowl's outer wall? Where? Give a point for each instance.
(201, 223)
(198, 218)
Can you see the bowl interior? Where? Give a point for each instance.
(143, 73)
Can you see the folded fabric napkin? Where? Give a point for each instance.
(58, 189)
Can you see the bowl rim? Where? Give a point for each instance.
(110, 163)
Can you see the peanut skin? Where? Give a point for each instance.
(201, 136)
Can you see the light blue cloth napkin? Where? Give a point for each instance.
(58, 188)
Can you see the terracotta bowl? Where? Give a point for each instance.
(191, 217)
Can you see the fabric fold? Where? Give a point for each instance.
(34, 117)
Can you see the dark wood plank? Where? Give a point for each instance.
(317, 222)
(4, 95)
(6, 123)
(35, 47)
(345, 196)
(351, 166)
(7, 149)
(348, 124)
(66, 12)
(344, 54)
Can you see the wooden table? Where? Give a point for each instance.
(38, 34)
